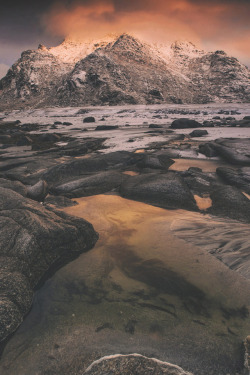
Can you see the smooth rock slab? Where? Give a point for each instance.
(90, 185)
(38, 191)
(33, 240)
(132, 364)
(234, 151)
(166, 190)
(239, 178)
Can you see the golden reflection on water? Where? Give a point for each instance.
(144, 230)
(206, 165)
(203, 202)
(141, 289)
(131, 173)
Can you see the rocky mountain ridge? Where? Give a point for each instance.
(123, 70)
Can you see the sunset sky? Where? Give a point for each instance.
(211, 24)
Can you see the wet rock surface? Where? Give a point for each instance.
(33, 241)
(184, 123)
(164, 190)
(230, 202)
(90, 185)
(48, 167)
(234, 151)
(133, 364)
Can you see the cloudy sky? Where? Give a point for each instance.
(211, 24)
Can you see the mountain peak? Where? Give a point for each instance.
(120, 69)
(186, 47)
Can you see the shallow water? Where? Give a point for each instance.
(207, 165)
(141, 289)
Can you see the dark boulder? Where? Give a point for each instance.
(185, 123)
(230, 202)
(166, 190)
(239, 178)
(33, 242)
(198, 133)
(89, 119)
(155, 162)
(207, 150)
(106, 127)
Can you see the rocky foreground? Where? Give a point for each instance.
(37, 238)
(130, 364)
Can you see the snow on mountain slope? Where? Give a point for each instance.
(71, 50)
(122, 69)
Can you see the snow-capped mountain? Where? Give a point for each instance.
(123, 70)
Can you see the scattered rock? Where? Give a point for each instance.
(106, 127)
(89, 119)
(184, 123)
(198, 133)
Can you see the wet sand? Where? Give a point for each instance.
(141, 289)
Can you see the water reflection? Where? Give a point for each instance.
(141, 289)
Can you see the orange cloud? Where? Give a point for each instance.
(218, 24)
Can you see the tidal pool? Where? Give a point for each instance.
(141, 289)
